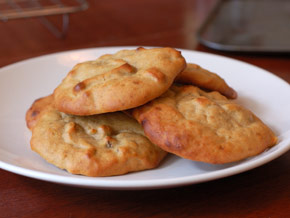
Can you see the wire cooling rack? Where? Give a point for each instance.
(16, 9)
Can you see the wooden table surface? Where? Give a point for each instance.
(261, 192)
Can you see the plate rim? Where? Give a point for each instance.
(103, 183)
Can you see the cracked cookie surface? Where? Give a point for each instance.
(115, 82)
(99, 145)
(203, 126)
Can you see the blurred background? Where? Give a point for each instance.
(249, 30)
(102, 23)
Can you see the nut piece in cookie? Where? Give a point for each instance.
(197, 76)
(126, 79)
(36, 109)
(99, 145)
(203, 126)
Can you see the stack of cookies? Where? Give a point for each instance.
(124, 112)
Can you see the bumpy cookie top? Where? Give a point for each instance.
(100, 145)
(203, 126)
(117, 82)
(198, 76)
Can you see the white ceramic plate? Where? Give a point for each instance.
(20, 84)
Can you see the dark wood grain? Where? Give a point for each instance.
(261, 192)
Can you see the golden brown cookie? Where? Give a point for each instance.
(126, 79)
(36, 109)
(99, 145)
(196, 75)
(203, 126)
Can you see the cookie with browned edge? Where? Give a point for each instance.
(203, 126)
(202, 78)
(37, 107)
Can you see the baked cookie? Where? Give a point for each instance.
(99, 145)
(202, 126)
(196, 75)
(126, 79)
(36, 109)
